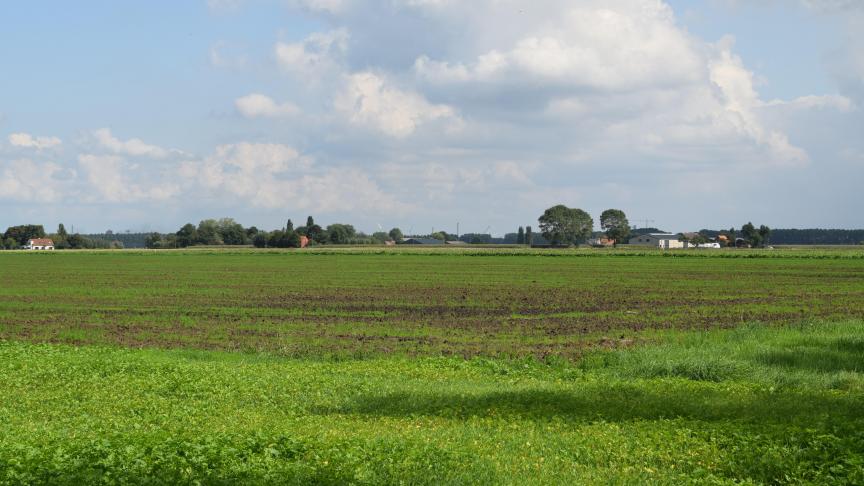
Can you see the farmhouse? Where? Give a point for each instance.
(598, 242)
(39, 244)
(657, 240)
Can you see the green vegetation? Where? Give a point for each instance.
(757, 405)
(409, 302)
(432, 366)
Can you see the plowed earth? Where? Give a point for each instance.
(355, 305)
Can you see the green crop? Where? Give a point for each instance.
(341, 366)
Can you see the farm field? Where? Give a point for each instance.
(354, 304)
(423, 367)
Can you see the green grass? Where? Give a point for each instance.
(353, 303)
(720, 407)
(344, 366)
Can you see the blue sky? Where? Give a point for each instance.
(422, 113)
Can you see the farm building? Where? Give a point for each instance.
(601, 242)
(422, 241)
(657, 240)
(39, 244)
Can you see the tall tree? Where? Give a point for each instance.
(529, 236)
(614, 223)
(187, 235)
(289, 226)
(208, 233)
(396, 235)
(751, 234)
(310, 222)
(563, 226)
(520, 236)
(765, 234)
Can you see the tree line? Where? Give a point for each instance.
(17, 236)
(226, 231)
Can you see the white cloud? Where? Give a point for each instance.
(317, 54)
(26, 140)
(739, 102)
(367, 100)
(277, 176)
(811, 102)
(605, 46)
(258, 105)
(327, 6)
(134, 146)
(27, 181)
(117, 181)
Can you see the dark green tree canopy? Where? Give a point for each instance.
(24, 232)
(187, 235)
(614, 223)
(564, 226)
(341, 234)
(396, 234)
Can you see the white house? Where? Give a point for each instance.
(39, 244)
(665, 241)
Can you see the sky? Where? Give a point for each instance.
(422, 114)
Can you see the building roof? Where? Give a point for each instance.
(41, 242)
(659, 236)
(423, 241)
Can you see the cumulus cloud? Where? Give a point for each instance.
(586, 45)
(134, 146)
(368, 100)
(26, 140)
(739, 101)
(114, 180)
(34, 182)
(257, 105)
(277, 176)
(317, 54)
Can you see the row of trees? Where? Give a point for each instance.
(17, 236)
(226, 231)
(561, 225)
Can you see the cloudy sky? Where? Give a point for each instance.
(425, 113)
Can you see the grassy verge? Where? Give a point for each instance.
(751, 405)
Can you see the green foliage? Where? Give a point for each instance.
(561, 225)
(614, 223)
(283, 239)
(187, 236)
(396, 234)
(24, 232)
(694, 408)
(341, 234)
(520, 236)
